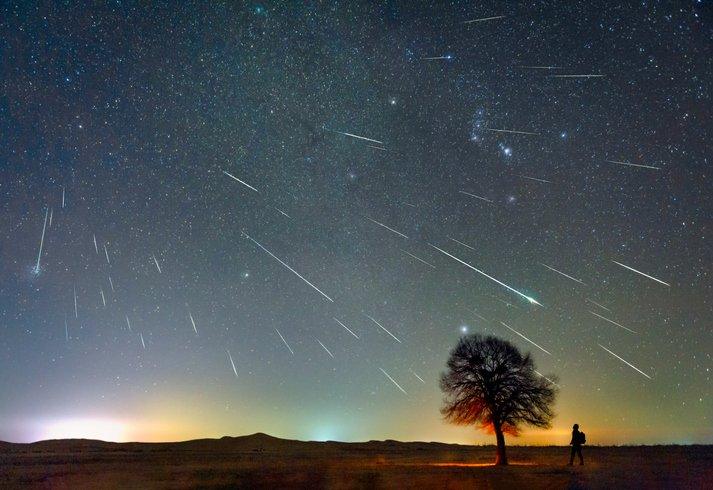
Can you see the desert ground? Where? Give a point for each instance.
(262, 461)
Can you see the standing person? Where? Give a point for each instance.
(578, 439)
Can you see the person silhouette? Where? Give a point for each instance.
(577, 440)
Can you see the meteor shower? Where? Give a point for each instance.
(356, 244)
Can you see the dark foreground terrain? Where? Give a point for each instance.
(261, 461)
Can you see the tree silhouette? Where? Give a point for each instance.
(490, 384)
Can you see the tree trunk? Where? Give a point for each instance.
(500, 458)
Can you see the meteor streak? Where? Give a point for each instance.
(193, 322)
(288, 267)
(419, 259)
(562, 273)
(419, 377)
(393, 381)
(512, 131)
(282, 212)
(285, 342)
(356, 136)
(382, 327)
(111, 283)
(325, 348)
(235, 178)
(446, 57)
(232, 363)
(62, 197)
(66, 328)
(128, 323)
(155, 261)
(477, 197)
(535, 179)
(528, 298)
(535, 67)
(76, 315)
(483, 19)
(390, 229)
(576, 76)
(612, 322)
(639, 272)
(106, 253)
(624, 361)
(101, 291)
(51, 214)
(96, 249)
(42, 243)
(143, 344)
(548, 379)
(478, 315)
(345, 327)
(595, 303)
(521, 335)
(461, 243)
(633, 164)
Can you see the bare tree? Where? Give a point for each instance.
(490, 384)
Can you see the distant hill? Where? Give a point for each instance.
(258, 442)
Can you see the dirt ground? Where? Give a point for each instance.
(261, 461)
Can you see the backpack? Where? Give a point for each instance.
(582, 438)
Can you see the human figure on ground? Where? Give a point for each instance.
(577, 441)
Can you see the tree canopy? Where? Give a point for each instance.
(491, 384)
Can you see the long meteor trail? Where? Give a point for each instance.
(383, 225)
(461, 243)
(285, 342)
(351, 135)
(562, 273)
(477, 197)
(535, 179)
(190, 315)
(244, 183)
(512, 131)
(639, 272)
(418, 258)
(42, 243)
(288, 267)
(521, 335)
(633, 164)
(528, 298)
(484, 19)
(595, 303)
(232, 363)
(612, 322)
(345, 327)
(577, 76)
(324, 347)
(382, 327)
(393, 381)
(548, 379)
(624, 361)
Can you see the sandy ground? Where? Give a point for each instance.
(260, 461)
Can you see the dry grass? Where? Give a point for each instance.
(263, 462)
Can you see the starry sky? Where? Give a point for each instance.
(219, 218)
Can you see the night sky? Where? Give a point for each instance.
(284, 196)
